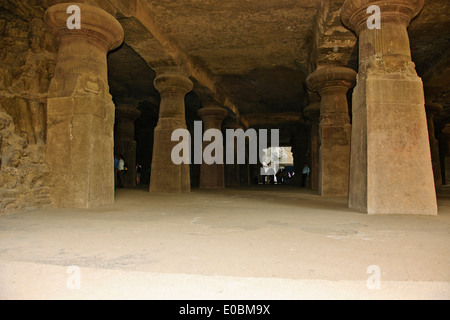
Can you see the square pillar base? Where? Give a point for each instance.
(79, 151)
(390, 171)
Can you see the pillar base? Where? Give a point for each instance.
(391, 169)
(212, 176)
(334, 157)
(79, 151)
(165, 176)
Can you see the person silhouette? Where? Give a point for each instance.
(305, 174)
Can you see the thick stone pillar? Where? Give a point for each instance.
(312, 112)
(165, 175)
(212, 175)
(80, 111)
(433, 109)
(332, 83)
(124, 143)
(391, 170)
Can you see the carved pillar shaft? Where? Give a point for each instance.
(124, 143)
(167, 176)
(312, 112)
(233, 171)
(444, 153)
(391, 170)
(80, 111)
(332, 83)
(212, 175)
(433, 109)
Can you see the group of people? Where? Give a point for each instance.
(282, 176)
(121, 168)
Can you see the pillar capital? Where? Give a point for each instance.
(97, 25)
(212, 117)
(331, 78)
(312, 112)
(332, 83)
(233, 125)
(208, 99)
(383, 50)
(212, 113)
(127, 111)
(167, 82)
(354, 12)
(432, 108)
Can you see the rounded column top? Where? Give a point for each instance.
(96, 24)
(213, 111)
(173, 83)
(96, 3)
(354, 13)
(433, 108)
(312, 112)
(127, 111)
(233, 125)
(331, 77)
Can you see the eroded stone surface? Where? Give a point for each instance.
(212, 175)
(23, 173)
(391, 168)
(166, 176)
(80, 111)
(332, 83)
(27, 62)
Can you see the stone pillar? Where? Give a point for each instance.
(245, 168)
(312, 112)
(300, 150)
(444, 152)
(433, 109)
(165, 175)
(80, 111)
(124, 143)
(212, 176)
(391, 170)
(232, 171)
(332, 83)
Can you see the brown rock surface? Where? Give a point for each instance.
(252, 56)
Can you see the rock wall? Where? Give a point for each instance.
(27, 62)
(23, 174)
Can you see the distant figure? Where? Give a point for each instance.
(116, 170)
(121, 168)
(138, 173)
(278, 176)
(283, 176)
(305, 174)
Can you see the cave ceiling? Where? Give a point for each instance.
(253, 56)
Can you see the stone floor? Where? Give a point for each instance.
(264, 242)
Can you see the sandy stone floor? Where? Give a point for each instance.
(266, 242)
